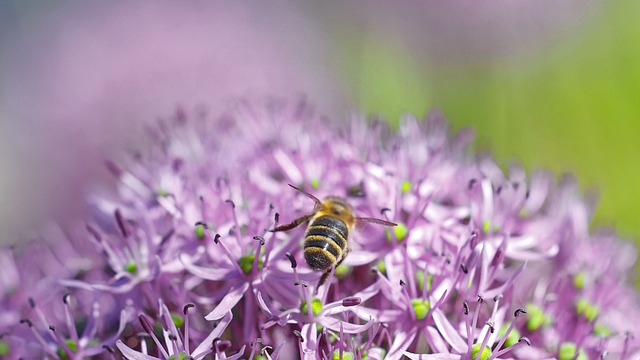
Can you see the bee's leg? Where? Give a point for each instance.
(323, 279)
(293, 224)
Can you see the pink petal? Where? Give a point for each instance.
(413, 356)
(401, 341)
(214, 274)
(435, 340)
(448, 332)
(131, 354)
(347, 328)
(205, 345)
(228, 302)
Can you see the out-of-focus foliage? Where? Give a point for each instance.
(571, 105)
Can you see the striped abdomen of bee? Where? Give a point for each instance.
(325, 242)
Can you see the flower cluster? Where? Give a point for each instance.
(180, 262)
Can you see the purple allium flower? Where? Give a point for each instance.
(482, 265)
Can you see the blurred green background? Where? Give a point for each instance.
(574, 107)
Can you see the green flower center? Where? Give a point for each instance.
(486, 352)
(178, 321)
(181, 356)
(346, 355)
(399, 231)
(246, 263)
(513, 336)
(586, 309)
(578, 280)
(406, 186)
(4, 348)
(536, 317)
(199, 231)
(131, 267)
(568, 351)
(420, 308)
(420, 280)
(71, 345)
(316, 306)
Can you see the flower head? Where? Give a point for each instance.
(482, 265)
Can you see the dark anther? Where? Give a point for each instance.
(113, 168)
(402, 283)
(465, 307)
(32, 302)
(65, 298)
(464, 268)
(297, 333)
(480, 299)
(472, 182)
(200, 197)
(257, 341)
(259, 238)
(167, 236)
(474, 234)
(26, 321)
(526, 195)
(525, 339)
(499, 190)
(229, 201)
(172, 337)
(351, 301)
(94, 233)
(519, 311)
(515, 185)
(301, 282)
(384, 210)
(201, 223)
(121, 223)
(186, 308)
(216, 239)
(292, 260)
(146, 324)
(375, 270)
(108, 348)
(491, 326)
(276, 217)
(52, 328)
(497, 297)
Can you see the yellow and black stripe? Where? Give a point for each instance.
(325, 242)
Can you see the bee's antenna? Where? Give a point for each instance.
(315, 199)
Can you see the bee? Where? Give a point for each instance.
(326, 240)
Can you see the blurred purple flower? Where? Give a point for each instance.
(78, 80)
(483, 265)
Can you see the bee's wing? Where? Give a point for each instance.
(361, 221)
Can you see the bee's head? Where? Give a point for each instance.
(338, 207)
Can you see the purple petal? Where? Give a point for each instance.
(210, 273)
(228, 302)
(448, 332)
(401, 342)
(131, 354)
(205, 345)
(413, 356)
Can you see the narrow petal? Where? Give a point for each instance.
(228, 302)
(441, 356)
(131, 354)
(448, 332)
(215, 333)
(401, 341)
